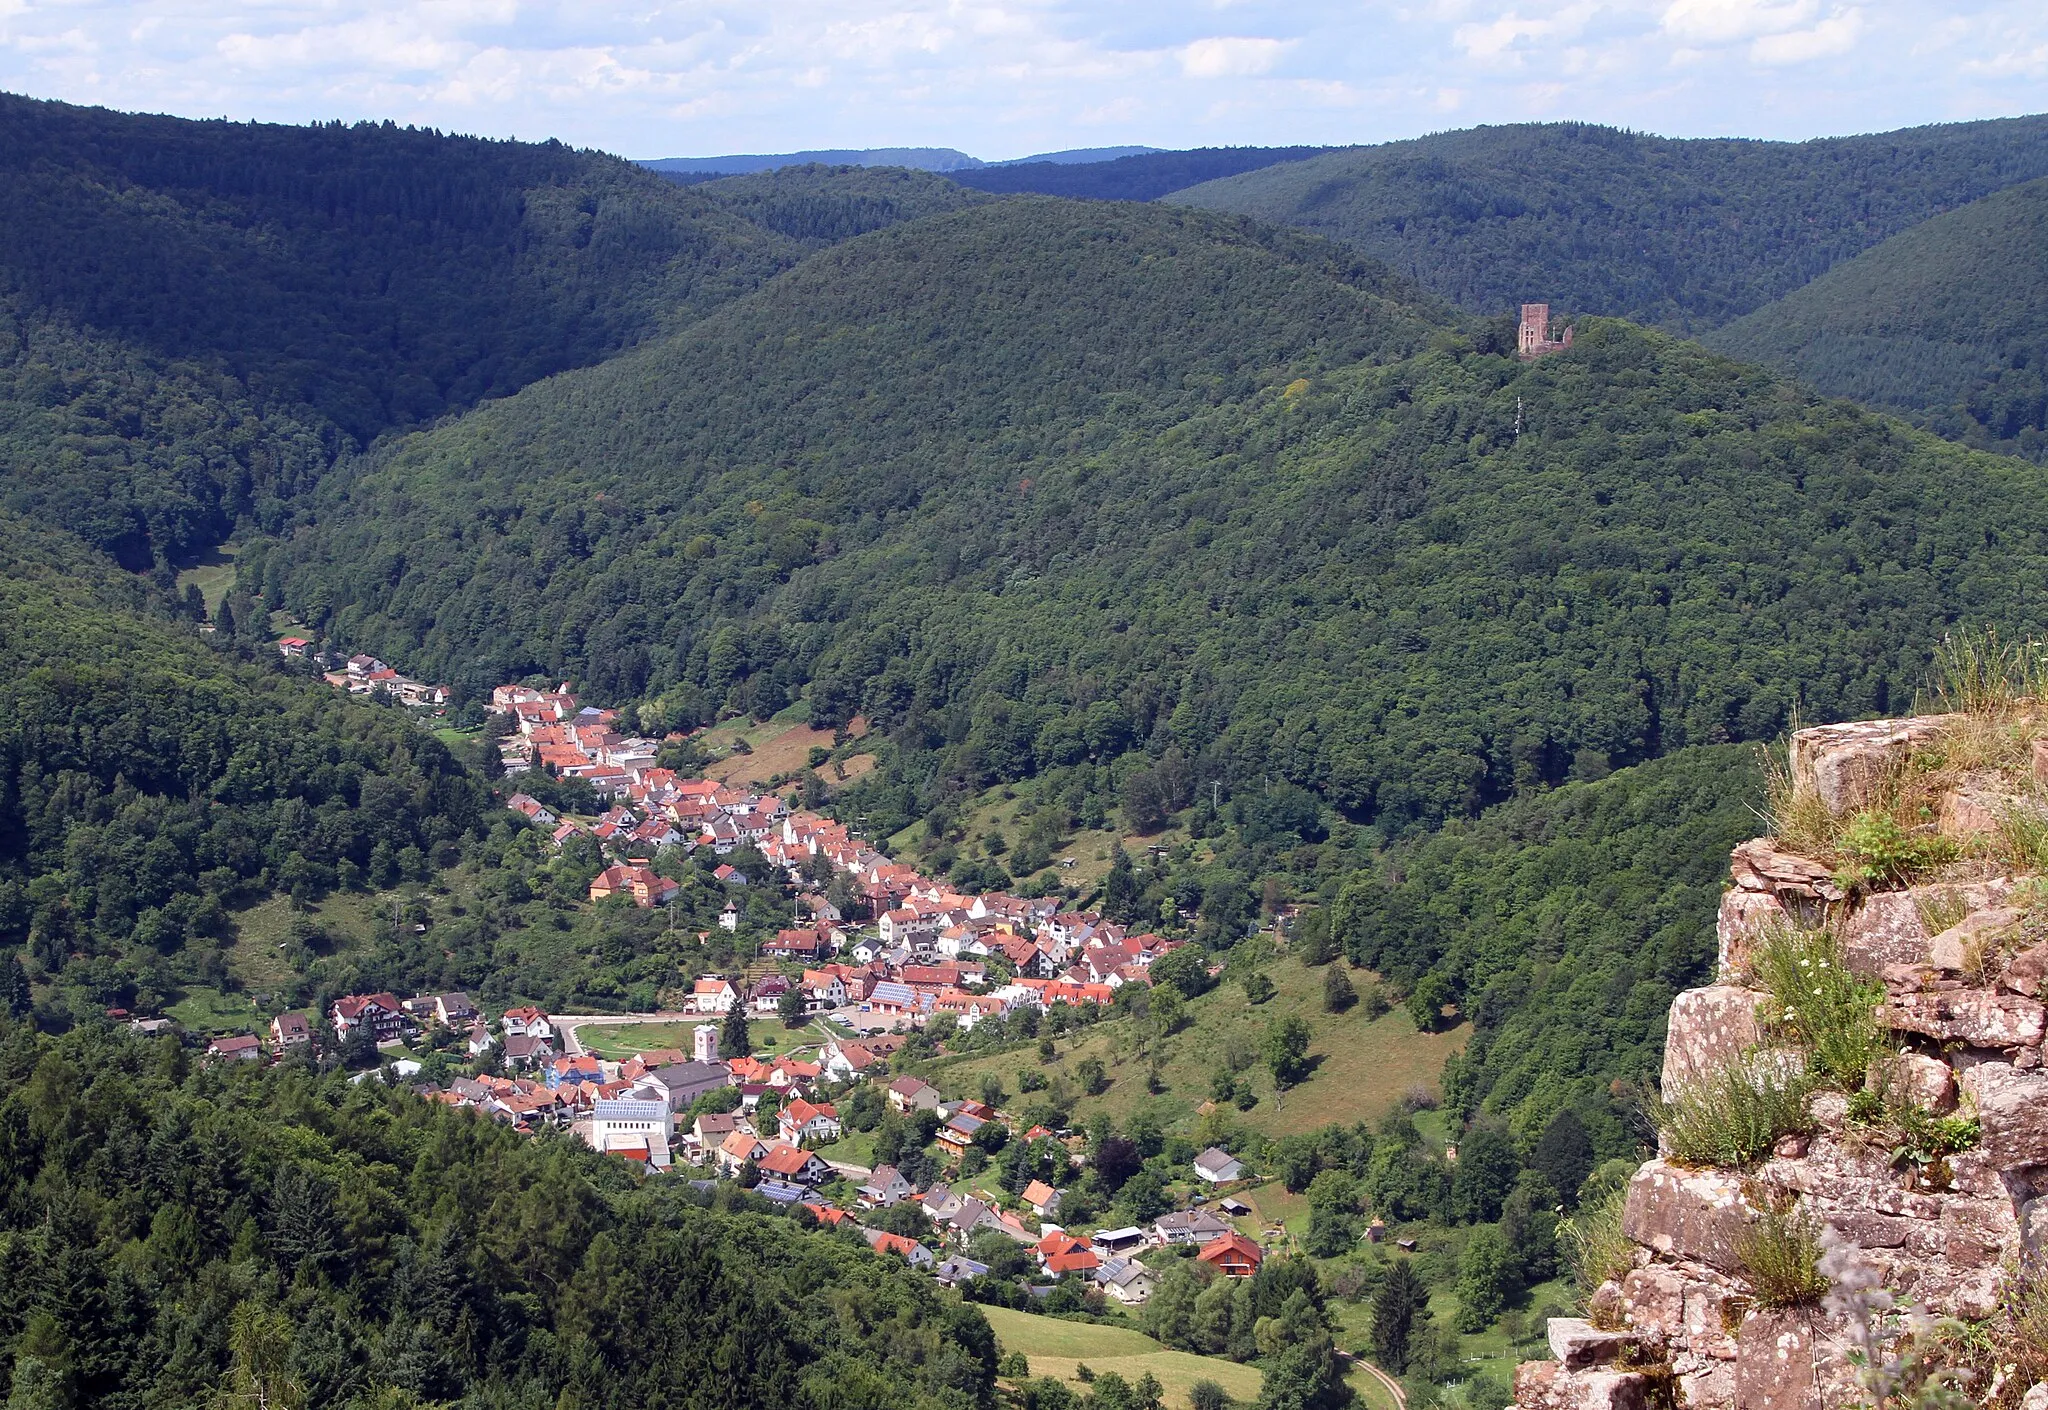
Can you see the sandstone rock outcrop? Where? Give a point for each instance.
(1963, 962)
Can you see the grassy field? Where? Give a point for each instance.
(213, 575)
(1362, 1069)
(622, 1040)
(1055, 1348)
(205, 1010)
(1008, 810)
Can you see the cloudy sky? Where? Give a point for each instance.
(1002, 78)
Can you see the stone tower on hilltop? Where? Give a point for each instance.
(1535, 339)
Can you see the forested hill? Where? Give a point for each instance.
(235, 1236)
(1688, 234)
(818, 205)
(1948, 321)
(1042, 483)
(1141, 177)
(149, 780)
(195, 316)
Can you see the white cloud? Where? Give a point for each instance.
(1837, 34)
(1231, 57)
(1731, 21)
(1004, 78)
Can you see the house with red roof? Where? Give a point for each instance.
(381, 1014)
(1233, 1255)
(802, 1121)
(642, 884)
(799, 1167)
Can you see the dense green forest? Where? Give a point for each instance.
(1947, 321)
(239, 1237)
(196, 316)
(817, 205)
(151, 779)
(1046, 483)
(1143, 177)
(1687, 234)
(1561, 924)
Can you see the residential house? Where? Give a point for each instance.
(1218, 1166)
(940, 1204)
(524, 1050)
(739, 1148)
(1081, 1262)
(803, 1121)
(532, 809)
(1129, 1283)
(958, 1132)
(844, 1061)
(527, 1020)
(1233, 1255)
(239, 1047)
(646, 888)
(454, 1009)
(957, 1270)
(885, 1186)
(908, 1094)
(1043, 1199)
(910, 1250)
(708, 1133)
(1188, 1226)
(800, 1167)
(290, 1030)
(381, 1014)
(768, 992)
(714, 995)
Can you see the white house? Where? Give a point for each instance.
(1218, 1166)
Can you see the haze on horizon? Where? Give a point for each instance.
(1003, 78)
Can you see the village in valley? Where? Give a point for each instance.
(962, 1188)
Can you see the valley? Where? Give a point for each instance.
(1075, 785)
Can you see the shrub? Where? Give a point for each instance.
(1818, 1003)
(1878, 851)
(1975, 673)
(1780, 1253)
(1595, 1248)
(1733, 1117)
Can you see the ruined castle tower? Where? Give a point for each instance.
(1535, 339)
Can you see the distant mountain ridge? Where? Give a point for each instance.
(1687, 234)
(944, 159)
(1947, 321)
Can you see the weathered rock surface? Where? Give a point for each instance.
(1976, 1017)
(2012, 1113)
(1847, 766)
(1943, 1232)
(1885, 929)
(1745, 914)
(1964, 945)
(2026, 971)
(1696, 1215)
(1915, 1078)
(1709, 1028)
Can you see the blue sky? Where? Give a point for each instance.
(1009, 77)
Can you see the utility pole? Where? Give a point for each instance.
(1518, 418)
(1215, 795)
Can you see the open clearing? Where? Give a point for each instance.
(1055, 1348)
(780, 748)
(1362, 1069)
